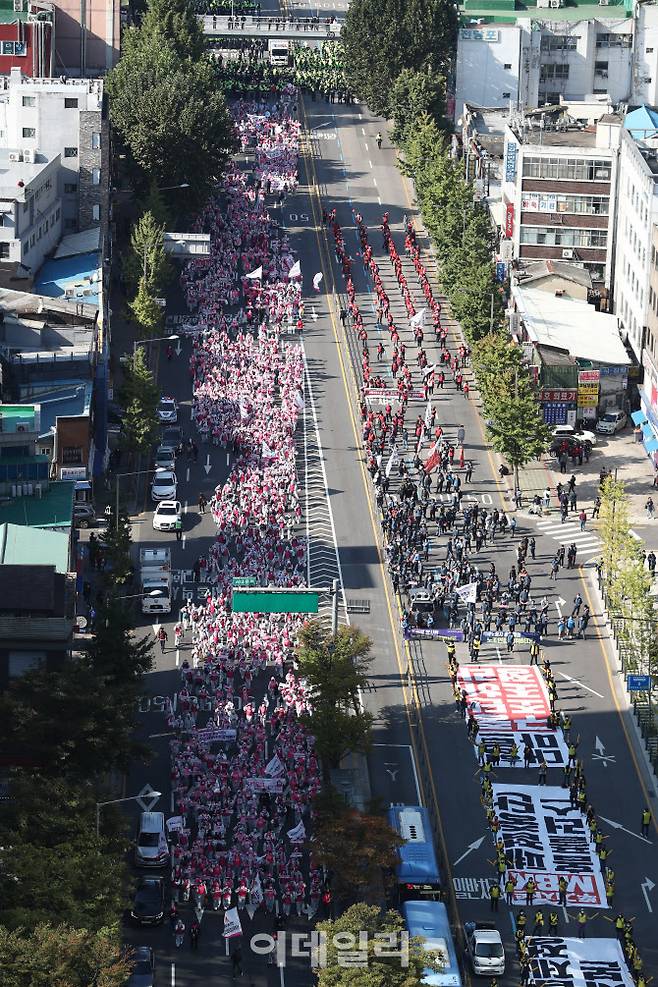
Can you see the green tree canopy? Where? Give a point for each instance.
(139, 396)
(115, 542)
(116, 655)
(171, 115)
(379, 971)
(146, 261)
(176, 23)
(148, 314)
(384, 37)
(62, 956)
(414, 94)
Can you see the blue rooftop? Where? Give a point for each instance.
(642, 123)
(82, 273)
(62, 400)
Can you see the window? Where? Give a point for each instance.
(29, 101)
(552, 71)
(95, 176)
(70, 188)
(33, 239)
(29, 132)
(563, 237)
(649, 51)
(70, 103)
(4, 251)
(506, 95)
(601, 68)
(507, 65)
(26, 247)
(559, 42)
(567, 169)
(96, 213)
(70, 152)
(95, 141)
(57, 215)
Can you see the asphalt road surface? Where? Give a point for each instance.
(420, 751)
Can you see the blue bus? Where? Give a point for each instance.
(418, 875)
(428, 920)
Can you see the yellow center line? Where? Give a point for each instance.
(411, 690)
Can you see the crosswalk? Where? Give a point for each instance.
(587, 542)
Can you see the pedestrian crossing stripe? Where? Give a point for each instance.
(585, 541)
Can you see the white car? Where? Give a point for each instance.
(167, 411)
(571, 432)
(165, 458)
(167, 515)
(613, 421)
(163, 485)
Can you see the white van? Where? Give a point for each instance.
(279, 52)
(151, 849)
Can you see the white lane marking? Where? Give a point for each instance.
(363, 131)
(370, 162)
(228, 458)
(187, 475)
(183, 540)
(407, 747)
(173, 975)
(366, 145)
(379, 199)
(374, 180)
(581, 684)
(192, 413)
(177, 657)
(185, 508)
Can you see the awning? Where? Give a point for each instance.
(647, 431)
(651, 445)
(82, 485)
(638, 417)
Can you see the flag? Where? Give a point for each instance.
(317, 278)
(232, 924)
(299, 401)
(392, 460)
(428, 370)
(275, 767)
(468, 593)
(297, 834)
(418, 319)
(266, 452)
(433, 459)
(428, 414)
(258, 273)
(296, 270)
(244, 410)
(256, 893)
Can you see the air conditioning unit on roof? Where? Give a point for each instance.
(567, 253)
(19, 5)
(15, 156)
(29, 155)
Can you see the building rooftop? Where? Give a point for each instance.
(53, 509)
(64, 400)
(506, 11)
(642, 123)
(21, 545)
(13, 173)
(555, 268)
(33, 591)
(570, 324)
(77, 277)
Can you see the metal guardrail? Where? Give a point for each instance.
(291, 28)
(358, 606)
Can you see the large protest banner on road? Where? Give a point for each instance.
(546, 839)
(577, 963)
(512, 706)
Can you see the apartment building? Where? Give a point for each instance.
(66, 118)
(30, 209)
(558, 192)
(88, 36)
(526, 55)
(27, 36)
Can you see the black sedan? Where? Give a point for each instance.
(148, 902)
(143, 972)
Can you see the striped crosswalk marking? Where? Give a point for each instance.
(587, 542)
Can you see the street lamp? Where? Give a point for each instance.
(129, 798)
(153, 339)
(171, 188)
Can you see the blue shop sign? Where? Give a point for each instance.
(511, 152)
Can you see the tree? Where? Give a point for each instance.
(171, 116)
(353, 846)
(53, 867)
(146, 261)
(115, 654)
(139, 396)
(384, 37)
(516, 425)
(69, 722)
(148, 314)
(335, 670)
(63, 956)
(378, 971)
(414, 94)
(115, 541)
(175, 22)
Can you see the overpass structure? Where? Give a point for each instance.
(289, 28)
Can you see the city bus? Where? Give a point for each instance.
(428, 920)
(417, 875)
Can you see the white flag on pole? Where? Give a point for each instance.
(428, 414)
(392, 460)
(468, 593)
(418, 319)
(317, 278)
(296, 270)
(299, 401)
(297, 834)
(266, 452)
(275, 767)
(232, 924)
(256, 893)
(257, 274)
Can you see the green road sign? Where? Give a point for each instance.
(275, 600)
(244, 581)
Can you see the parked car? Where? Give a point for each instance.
(165, 458)
(172, 436)
(613, 421)
(151, 849)
(568, 442)
(167, 411)
(166, 515)
(84, 514)
(485, 949)
(143, 972)
(163, 485)
(580, 434)
(148, 901)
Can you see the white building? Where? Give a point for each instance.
(534, 56)
(637, 211)
(30, 208)
(66, 118)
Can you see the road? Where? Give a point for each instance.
(421, 750)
